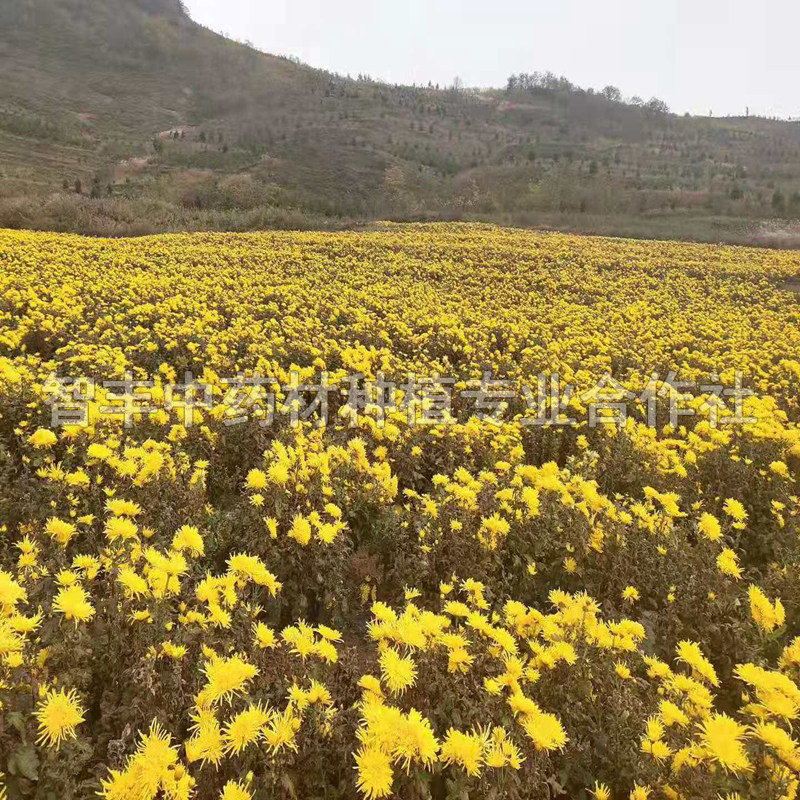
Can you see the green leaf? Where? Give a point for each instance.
(16, 720)
(25, 762)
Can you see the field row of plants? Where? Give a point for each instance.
(375, 607)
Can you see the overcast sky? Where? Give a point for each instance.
(698, 55)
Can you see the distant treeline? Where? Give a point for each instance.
(550, 82)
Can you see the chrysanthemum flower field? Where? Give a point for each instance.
(432, 512)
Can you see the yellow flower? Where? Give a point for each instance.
(736, 511)
(73, 603)
(331, 634)
(233, 790)
(256, 480)
(728, 564)
(123, 508)
(58, 714)
(375, 774)
(398, 672)
(465, 750)
(672, 714)
(710, 528)
(121, 528)
(622, 670)
(601, 791)
(690, 654)
(245, 728)
(630, 594)
(188, 538)
(325, 650)
(459, 660)
(300, 530)
(99, 451)
(225, 677)
(278, 473)
(135, 586)
(264, 636)
(766, 615)
(544, 730)
(206, 743)
(252, 568)
(66, 578)
(153, 766)
(89, 565)
(11, 593)
(413, 740)
(492, 530)
(60, 530)
(281, 731)
(174, 651)
(272, 527)
(722, 738)
(371, 684)
(42, 437)
(779, 468)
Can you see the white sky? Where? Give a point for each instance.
(698, 55)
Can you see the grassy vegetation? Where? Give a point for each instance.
(168, 126)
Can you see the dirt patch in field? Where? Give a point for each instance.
(792, 285)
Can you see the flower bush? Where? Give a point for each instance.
(197, 606)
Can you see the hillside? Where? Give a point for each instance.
(167, 126)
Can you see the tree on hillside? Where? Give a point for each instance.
(657, 106)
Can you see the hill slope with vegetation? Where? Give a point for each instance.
(125, 117)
